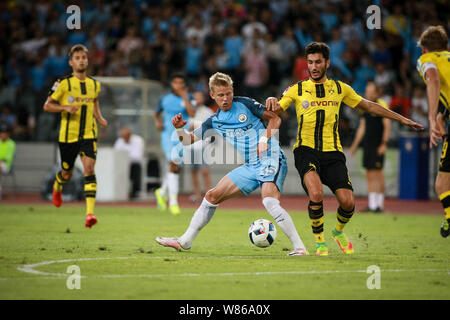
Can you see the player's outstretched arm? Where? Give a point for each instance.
(433, 93)
(52, 105)
(186, 138)
(377, 109)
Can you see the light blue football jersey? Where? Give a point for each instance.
(170, 105)
(242, 127)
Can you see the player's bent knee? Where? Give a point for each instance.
(212, 196)
(347, 204)
(315, 195)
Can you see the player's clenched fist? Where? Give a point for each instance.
(178, 121)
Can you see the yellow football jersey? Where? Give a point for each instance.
(440, 61)
(71, 91)
(317, 106)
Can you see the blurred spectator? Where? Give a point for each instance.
(351, 29)
(130, 42)
(381, 53)
(7, 151)
(404, 75)
(194, 57)
(363, 73)
(221, 58)
(256, 72)
(31, 47)
(38, 74)
(252, 26)
(383, 76)
(337, 48)
(150, 64)
(197, 30)
(329, 18)
(57, 61)
(7, 117)
(396, 23)
(400, 101)
(300, 70)
(279, 9)
(289, 49)
(419, 106)
(134, 145)
(234, 44)
(274, 53)
(78, 36)
(116, 66)
(302, 36)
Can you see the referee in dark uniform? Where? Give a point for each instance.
(374, 131)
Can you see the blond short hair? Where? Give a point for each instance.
(434, 38)
(76, 48)
(219, 79)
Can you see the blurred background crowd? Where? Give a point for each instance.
(259, 43)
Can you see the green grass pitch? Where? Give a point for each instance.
(119, 258)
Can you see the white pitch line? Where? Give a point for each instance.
(30, 268)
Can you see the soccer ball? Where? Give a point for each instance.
(262, 233)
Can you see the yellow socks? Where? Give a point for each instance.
(343, 217)
(90, 191)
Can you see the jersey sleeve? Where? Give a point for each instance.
(351, 98)
(288, 97)
(204, 130)
(254, 106)
(424, 63)
(58, 89)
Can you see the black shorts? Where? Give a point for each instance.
(444, 163)
(70, 151)
(330, 166)
(371, 159)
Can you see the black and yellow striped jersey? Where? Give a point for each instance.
(72, 91)
(317, 106)
(440, 61)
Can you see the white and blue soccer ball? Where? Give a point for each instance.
(262, 233)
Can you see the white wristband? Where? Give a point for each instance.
(179, 130)
(263, 139)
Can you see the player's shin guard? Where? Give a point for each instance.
(59, 182)
(342, 218)
(445, 200)
(90, 191)
(284, 220)
(200, 219)
(315, 210)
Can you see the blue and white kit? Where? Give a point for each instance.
(242, 127)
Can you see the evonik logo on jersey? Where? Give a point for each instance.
(330, 103)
